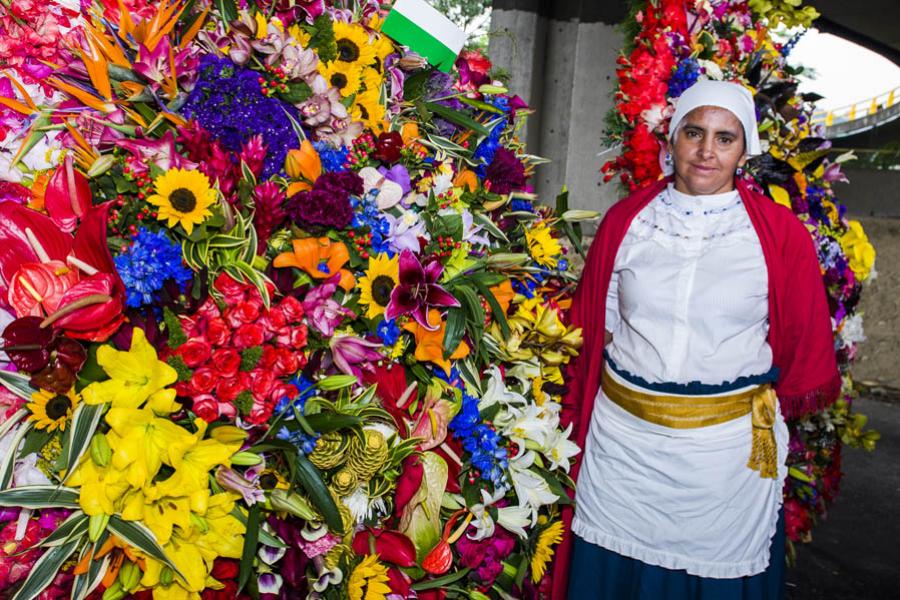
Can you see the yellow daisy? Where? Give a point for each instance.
(51, 411)
(346, 77)
(543, 550)
(369, 576)
(376, 285)
(544, 248)
(184, 197)
(352, 44)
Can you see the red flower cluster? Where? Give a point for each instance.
(240, 353)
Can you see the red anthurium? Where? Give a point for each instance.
(390, 546)
(27, 236)
(440, 558)
(395, 394)
(408, 483)
(399, 582)
(37, 288)
(91, 310)
(68, 196)
(418, 290)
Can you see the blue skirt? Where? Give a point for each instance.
(600, 574)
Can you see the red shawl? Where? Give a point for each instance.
(800, 331)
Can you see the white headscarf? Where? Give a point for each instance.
(722, 94)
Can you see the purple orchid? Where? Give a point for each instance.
(399, 175)
(405, 231)
(418, 291)
(350, 351)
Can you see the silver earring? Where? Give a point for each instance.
(668, 158)
(739, 171)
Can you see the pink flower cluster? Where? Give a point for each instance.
(240, 353)
(32, 32)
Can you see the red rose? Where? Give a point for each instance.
(209, 310)
(194, 352)
(224, 568)
(233, 291)
(229, 389)
(286, 362)
(261, 411)
(218, 332)
(206, 407)
(274, 320)
(203, 380)
(261, 383)
(292, 308)
(388, 147)
(295, 337)
(243, 312)
(268, 358)
(280, 390)
(248, 335)
(226, 362)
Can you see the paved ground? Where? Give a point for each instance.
(856, 551)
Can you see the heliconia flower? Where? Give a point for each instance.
(350, 351)
(418, 290)
(68, 196)
(390, 546)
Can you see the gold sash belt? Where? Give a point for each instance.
(688, 412)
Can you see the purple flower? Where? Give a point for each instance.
(327, 204)
(350, 351)
(399, 175)
(486, 556)
(322, 311)
(418, 291)
(506, 172)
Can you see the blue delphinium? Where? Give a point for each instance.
(519, 205)
(366, 214)
(685, 75)
(388, 331)
(150, 261)
(305, 390)
(304, 443)
(333, 159)
(482, 442)
(228, 102)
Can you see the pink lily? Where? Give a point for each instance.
(350, 351)
(418, 291)
(322, 311)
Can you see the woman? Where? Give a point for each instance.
(701, 300)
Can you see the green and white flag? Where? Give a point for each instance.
(416, 24)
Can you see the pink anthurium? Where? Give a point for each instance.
(37, 288)
(418, 290)
(68, 196)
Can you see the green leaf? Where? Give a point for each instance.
(496, 309)
(457, 117)
(311, 480)
(73, 527)
(325, 422)
(84, 424)
(228, 10)
(9, 461)
(45, 570)
(86, 583)
(34, 441)
(456, 327)
(17, 384)
(264, 536)
(322, 38)
(441, 581)
(40, 496)
(137, 534)
(249, 551)
(297, 92)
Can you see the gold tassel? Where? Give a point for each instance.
(764, 453)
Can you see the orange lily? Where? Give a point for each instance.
(303, 163)
(430, 344)
(467, 179)
(320, 258)
(410, 133)
(504, 294)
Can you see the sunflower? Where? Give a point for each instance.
(346, 77)
(544, 248)
(367, 108)
(383, 48)
(543, 550)
(352, 44)
(51, 411)
(183, 196)
(369, 576)
(379, 281)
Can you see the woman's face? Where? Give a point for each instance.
(708, 149)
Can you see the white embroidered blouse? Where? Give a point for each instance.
(688, 302)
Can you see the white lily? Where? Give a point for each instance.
(532, 490)
(529, 424)
(560, 449)
(498, 392)
(512, 518)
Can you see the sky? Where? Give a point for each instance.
(844, 72)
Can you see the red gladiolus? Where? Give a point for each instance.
(68, 196)
(390, 546)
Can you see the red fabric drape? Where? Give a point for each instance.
(800, 332)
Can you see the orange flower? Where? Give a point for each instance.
(504, 294)
(409, 132)
(37, 191)
(466, 178)
(320, 258)
(430, 344)
(304, 164)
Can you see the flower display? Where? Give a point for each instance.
(741, 41)
(283, 317)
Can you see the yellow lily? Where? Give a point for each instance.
(142, 442)
(159, 512)
(136, 376)
(100, 487)
(193, 467)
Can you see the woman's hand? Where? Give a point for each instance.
(607, 338)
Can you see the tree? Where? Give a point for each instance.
(473, 16)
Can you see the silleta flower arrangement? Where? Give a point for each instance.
(670, 45)
(281, 317)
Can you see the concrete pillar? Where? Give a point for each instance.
(561, 59)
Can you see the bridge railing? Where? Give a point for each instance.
(858, 110)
